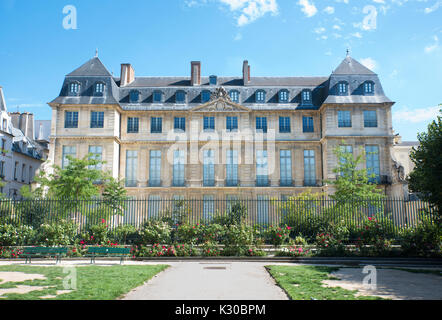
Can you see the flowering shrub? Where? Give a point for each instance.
(10, 253)
(329, 245)
(190, 234)
(278, 235)
(155, 232)
(255, 252)
(56, 234)
(122, 232)
(210, 249)
(98, 234)
(292, 251)
(11, 235)
(372, 238)
(424, 240)
(238, 239)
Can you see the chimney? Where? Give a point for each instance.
(127, 74)
(23, 121)
(246, 72)
(195, 73)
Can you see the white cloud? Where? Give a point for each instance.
(379, 1)
(238, 37)
(357, 35)
(433, 7)
(250, 10)
(417, 115)
(319, 30)
(308, 8)
(370, 63)
(329, 10)
(430, 48)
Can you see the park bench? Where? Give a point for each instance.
(94, 252)
(37, 252)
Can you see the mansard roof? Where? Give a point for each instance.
(93, 67)
(350, 66)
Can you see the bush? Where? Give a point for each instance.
(292, 251)
(157, 250)
(423, 240)
(155, 232)
(210, 249)
(10, 253)
(278, 235)
(329, 245)
(189, 234)
(238, 239)
(125, 233)
(372, 239)
(57, 234)
(32, 213)
(98, 234)
(11, 235)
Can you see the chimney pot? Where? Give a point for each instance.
(246, 72)
(127, 74)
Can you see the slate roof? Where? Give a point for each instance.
(323, 89)
(2, 100)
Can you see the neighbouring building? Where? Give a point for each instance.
(221, 137)
(21, 155)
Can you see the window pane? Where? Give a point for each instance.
(285, 167)
(284, 124)
(307, 124)
(180, 124)
(178, 168)
(156, 125)
(155, 168)
(370, 119)
(261, 124)
(208, 168)
(232, 168)
(209, 123)
(344, 119)
(309, 168)
(261, 168)
(68, 151)
(131, 168)
(96, 154)
(132, 125)
(373, 165)
(97, 119)
(205, 96)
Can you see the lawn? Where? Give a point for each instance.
(304, 283)
(92, 282)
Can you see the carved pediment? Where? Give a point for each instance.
(220, 102)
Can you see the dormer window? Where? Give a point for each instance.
(205, 96)
(157, 97)
(234, 96)
(343, 88)
(213, 80)
(180, 97)
(74, 88)
(260, 96)
(99, 88)
(134, 96)
(283, 96)
(368, 87)
(306, 97)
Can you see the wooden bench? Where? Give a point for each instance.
(94, 252)
(36, 252)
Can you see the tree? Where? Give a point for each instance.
(114, 194)
(352, 182)
(427, 158)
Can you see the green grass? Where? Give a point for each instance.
(304, 283)
(93, 282)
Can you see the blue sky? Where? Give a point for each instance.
(401, 40)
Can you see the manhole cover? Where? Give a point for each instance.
(215, 268)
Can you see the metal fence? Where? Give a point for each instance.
(305, 216)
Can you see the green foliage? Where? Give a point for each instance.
(122, 233)
(190, 234)
(292, 251)
(427, 158)
(11, 235)
(210, 249)
(238, 239)
(57, 234)
(278, 235)
(236, 215)
(423, 240)
(352, 182)
(373, 237)
(178, 214)
(155, 232)
(32, 213)
(98, 234)
(114, 195)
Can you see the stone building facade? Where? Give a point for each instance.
(220, 137)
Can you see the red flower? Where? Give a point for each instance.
(103, 221)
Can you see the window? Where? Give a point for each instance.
(154, 206)
(260, 96)
(99, 88)
(232, 123)
(285, 158)
(373, 165)
(179, 124)
(263, 209)
(5, 125)
(71, 119)
(180, 97)
(68, 151)
(2, 169)
(309, 168)
(134, 96)
(15, 170)
(131, 168)
(345, 149)
(208, 207)
(368, 87)
(344, 119)
(178, 168)
(23, 172)
(232, 168)
(307, 124)
(306, 97)
(132, 125)
(96, 154)
(284, 124)
(234, 96)
(205, 96)
(31, 174)
(262, 178)
(97, 119)
(157, 97)
(156, 125)
(74, 88)
(209, 123)
(370, 119)
(155, 168)
(343, 88)
(261, 124)
(213, 80)
(3, 149)
(283, 96)
(208, 168)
